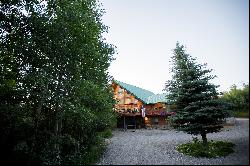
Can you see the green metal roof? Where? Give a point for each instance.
(144, 95)
(157, 98)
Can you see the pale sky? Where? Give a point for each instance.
(145, 33)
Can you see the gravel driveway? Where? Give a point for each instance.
(157, 147)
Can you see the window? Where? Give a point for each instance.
(120, 91)
(135, 101)
(128, 101)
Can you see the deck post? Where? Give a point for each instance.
(135, 122)
(124, 123)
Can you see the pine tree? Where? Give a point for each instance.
(198, 110)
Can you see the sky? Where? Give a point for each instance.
(145, 33)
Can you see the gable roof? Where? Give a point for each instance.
(157, 98)
(139, 93)
(144, 95)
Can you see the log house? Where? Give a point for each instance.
(130, 101)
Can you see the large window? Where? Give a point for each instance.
(120, 93)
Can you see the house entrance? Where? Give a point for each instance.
(130, 122)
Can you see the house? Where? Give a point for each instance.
(139, 108)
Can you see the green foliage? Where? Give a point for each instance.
(239, 100)
(54, 86)
(106, 133)
(94, 152)
(242, 114)
(198, 110)
(212, 150)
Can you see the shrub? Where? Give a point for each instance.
(94, 152)
(106, 133)
(212, 150)
(242, 114)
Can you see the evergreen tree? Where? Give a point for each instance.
(198, 111)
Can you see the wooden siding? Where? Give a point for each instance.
(127, 104)
(150, 120)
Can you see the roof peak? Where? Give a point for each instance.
(135, 86)
(144, 95)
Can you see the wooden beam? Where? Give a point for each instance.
(124, 123)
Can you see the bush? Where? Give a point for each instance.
(242, 114)
(94, 152)
(212, 150)
(106, 133)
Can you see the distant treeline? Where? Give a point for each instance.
(239, 100)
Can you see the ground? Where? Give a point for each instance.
(157, 147)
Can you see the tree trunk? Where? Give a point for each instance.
(37, 114)
(204, 138)
(58, 125)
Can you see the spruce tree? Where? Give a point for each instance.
(198, 110)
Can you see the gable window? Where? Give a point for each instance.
(120, 91)
(135, 101)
